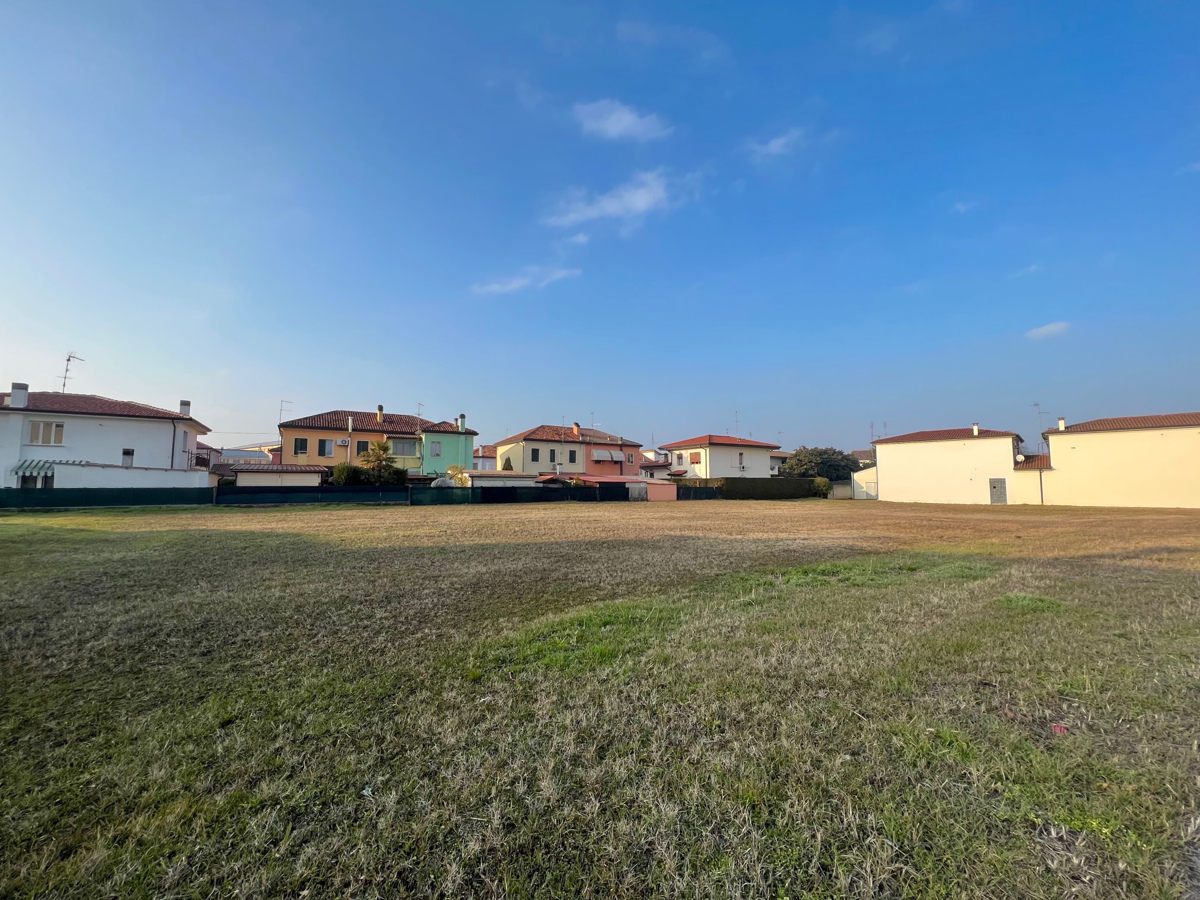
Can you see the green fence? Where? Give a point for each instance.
(330, 493)
(756, 488)
(75, 498)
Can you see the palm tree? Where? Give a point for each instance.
(458, 475)
(377, 460)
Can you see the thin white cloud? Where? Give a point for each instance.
(644, 193)
(781, 145)
(1188, 169)
(963, 206)
(533, 276)
(1053, 329)
(704, 46)
(615, 121)
(579, 239)
(880, 40)
(1028, 270)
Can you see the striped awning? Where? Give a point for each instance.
(42, 466)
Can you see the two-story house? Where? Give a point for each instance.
(722, 456)
(420, 446)
(51, 439)
(554, 448)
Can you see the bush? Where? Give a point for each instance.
(822, 486)
(345, 473)
(392, 475)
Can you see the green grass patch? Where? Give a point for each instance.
(1028, 603)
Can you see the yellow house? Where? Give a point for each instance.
(1093, 463)
(1089, 464)
(569, 450)
(338, 436)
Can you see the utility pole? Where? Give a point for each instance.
(70, 356)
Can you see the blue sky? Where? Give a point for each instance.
(643, 215)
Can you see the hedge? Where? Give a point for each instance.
(756, 488)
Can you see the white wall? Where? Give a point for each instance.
(278, 479)
(121, 477)
(719, 461)
(865, 484)
(943, 471)
(98, 439)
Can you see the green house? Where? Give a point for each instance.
(445, 444)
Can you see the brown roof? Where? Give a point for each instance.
(1133, 423)
(1035, 461)
(393, 423)
(92, 405)
(863, 455)
(561, 434)
(722, 439)
(945, 434)
(487, 451)
(275, 467)
(648, 464)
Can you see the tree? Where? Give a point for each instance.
(378, 460)
(820, 462)
(458, 475)
(507, 467)
(347, 473)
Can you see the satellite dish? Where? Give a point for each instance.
(1020, 457)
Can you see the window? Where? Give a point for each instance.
(45, 432)
(435, 449)
(571, 456)
(679, 459)
(361, 447)
(534, 454)
(741, 462)
(404, 448)
(552, 455)
(325, 447)
(694, 458)
(29, 481)
(127, 457)
(300, 447)
(629, 458)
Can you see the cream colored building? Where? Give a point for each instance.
(278, 475)
(1089, 464)
(569, 449)
(721, 456)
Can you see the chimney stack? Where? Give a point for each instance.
(20, 395)
(185, 407)
(1062, 423)
(379, 414)
(975, 429)
(575, 428)
(462, 421)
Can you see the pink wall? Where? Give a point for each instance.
(605, 467)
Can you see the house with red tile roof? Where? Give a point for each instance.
(569, 448)
(947, 465)
(420, 446)
(485, 458)
(55, 439)
(721, 456)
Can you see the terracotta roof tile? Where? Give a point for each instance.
(275, 468)
(945, 434)
(723, 440)
(560, 434)
(487, 451)
(1133, 423)
(1035, 461)
(366, 422)
(92, 405)
(863, 455)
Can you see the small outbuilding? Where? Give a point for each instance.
(278, 475)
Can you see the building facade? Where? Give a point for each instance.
(721, 456)
(569, 449)
(50, 439)
(951, 465)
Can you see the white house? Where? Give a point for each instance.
(50, 439)
(721, 456)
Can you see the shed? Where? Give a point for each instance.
(278, 475)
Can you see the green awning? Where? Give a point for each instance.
(42, 466)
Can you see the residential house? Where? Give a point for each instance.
(421, 447)
(656, 464)
(50, 439)
(722, 456)
(778, 458)
(551, 448)
(485, 458)
(949, 465)
(866, 458)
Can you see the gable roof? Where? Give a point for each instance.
(944, 434)
(274, 467)
(393, 423)
(724, 440)
(1132, 423)
(562, 434)
(863, 455)
(91, 405)
(487, 451)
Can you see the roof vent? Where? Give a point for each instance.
(975, 429)
(379, 414)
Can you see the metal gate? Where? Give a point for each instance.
(998, 488)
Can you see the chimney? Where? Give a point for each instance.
(462, 421)
(20, 395)
(185, 407)
(975, 429)
(1062, 423)
(350, 424)
(379, 414)
(574, 427)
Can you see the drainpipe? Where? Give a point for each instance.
(1041, 487)
(172, 443)
(350, 432)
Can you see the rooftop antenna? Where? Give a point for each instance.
(735, 422)
(67, 368)
(1042, 446)
(420, 406)
(872, 432)
(281, 404)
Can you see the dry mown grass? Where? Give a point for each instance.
(694, 700)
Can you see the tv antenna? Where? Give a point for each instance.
(70, 356)
(1040, 412)
(735, 422)
(281, 403)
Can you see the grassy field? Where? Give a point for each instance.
(799, 699)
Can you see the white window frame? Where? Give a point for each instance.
(435, 449)
(56, 430)
(322, 443)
